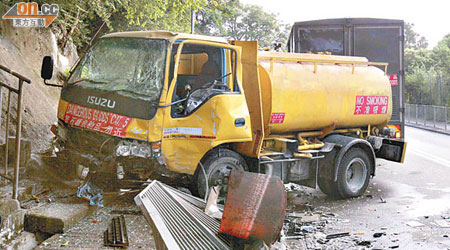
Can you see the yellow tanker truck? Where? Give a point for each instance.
(157, 103)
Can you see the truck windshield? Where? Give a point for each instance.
(130, 66)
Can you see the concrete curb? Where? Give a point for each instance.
(57, 217)
(428, 128)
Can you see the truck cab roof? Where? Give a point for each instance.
(171, 36)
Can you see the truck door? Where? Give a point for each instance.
(206, 106)
(384, 44)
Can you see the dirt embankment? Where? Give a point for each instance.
(21, 50)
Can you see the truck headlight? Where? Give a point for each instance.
(134, 148)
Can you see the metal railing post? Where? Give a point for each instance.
(417, 114)
(408, 112)
(18, 134)
(446, 113)
(5, 163)
(434, 116)
(19, 92)
(425, 115)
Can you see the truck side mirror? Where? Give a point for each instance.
(47, 68)
(47, 71)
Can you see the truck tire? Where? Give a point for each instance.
(328, 187)
(218, 166)
(353, 175)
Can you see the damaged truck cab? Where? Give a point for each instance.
(151, 103)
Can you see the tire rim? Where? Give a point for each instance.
(219, 176)
(355, 174)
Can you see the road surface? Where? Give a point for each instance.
(417, 191)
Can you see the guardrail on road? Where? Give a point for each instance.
(431, 116)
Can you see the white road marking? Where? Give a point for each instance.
(437, 159)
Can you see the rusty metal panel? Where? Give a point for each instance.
(255, 206)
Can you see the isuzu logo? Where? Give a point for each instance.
(102, 102)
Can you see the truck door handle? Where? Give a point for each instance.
(239, 122)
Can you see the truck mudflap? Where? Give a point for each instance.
(392, 150)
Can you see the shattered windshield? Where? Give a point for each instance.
(130, 66)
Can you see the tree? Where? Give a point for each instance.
(238, 21)
(413, 39)
(80, 19)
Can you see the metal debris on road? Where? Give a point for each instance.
(443, 223)
(116, 235)
(337, 235)
(178, 220)
(414, 224)
(378, 235)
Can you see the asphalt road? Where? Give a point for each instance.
(417, 191)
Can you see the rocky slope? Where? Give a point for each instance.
(22, 49)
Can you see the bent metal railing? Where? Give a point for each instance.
(19, 91)
(436, 117)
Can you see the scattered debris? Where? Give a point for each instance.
(92, 193)
(211, 206)
(395, 246)
(414, 224)
(116, 235)
(365, 243)
(337, 235)
(443, 223)
(378, 235)
(382, 200)
(130, 212)
(308, 229)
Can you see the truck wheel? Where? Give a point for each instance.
(353, 176)
(218, 166)
(353, 173)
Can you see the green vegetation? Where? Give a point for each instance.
(427, 72)
(79, 20)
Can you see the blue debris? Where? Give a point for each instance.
(92, 193)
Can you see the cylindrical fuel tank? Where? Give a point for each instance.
(304, 92)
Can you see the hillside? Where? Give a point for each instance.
(22, 49)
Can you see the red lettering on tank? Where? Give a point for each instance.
(277, 118)
(368, 105)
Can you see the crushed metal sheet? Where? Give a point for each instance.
(178, 221)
